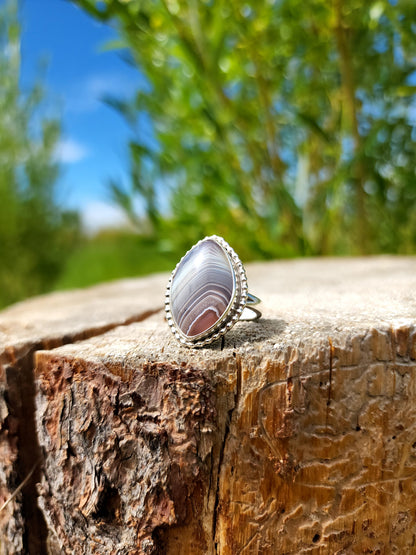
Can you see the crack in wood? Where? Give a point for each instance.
(210, 476)
(21, 389)
(328, 401)
(29, 452)
(216, 510)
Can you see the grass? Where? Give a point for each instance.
(114, 255)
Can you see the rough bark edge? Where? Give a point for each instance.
(17, 367)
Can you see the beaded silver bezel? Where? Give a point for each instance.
(235, 307)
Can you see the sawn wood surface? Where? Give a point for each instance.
(296, 434)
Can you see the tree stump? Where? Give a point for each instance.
(296, 434)
(43, 323)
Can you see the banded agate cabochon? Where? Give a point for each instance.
(202, 288)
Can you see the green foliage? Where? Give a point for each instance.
(113, 255)
(284, 125)
(34, 235)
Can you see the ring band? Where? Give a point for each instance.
(207, 293)
(252, 299)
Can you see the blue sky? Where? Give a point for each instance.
(79, 73)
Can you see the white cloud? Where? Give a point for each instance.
(99, 85)
(69, 151)
(101, 215)
(87, 96)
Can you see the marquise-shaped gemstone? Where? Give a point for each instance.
(202, 288)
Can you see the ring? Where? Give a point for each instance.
(207, 293)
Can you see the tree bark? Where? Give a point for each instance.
(296, 434)
(42, 323)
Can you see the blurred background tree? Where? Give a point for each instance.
(286, 126)
(35, 235)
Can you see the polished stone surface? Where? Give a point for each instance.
(202, 288)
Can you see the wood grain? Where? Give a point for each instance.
(39, 323)
(296, 434)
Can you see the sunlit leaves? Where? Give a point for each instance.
(285, 124)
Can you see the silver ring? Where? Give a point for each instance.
(207, 293)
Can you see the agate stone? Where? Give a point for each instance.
(202, 288)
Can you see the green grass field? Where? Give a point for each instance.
(114, 255)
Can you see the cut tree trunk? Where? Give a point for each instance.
(43, 323)
(296, 434)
